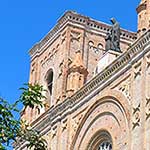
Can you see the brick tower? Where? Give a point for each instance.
(106, 109)
(57, 64)
(143, 11)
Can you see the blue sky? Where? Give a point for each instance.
(23, 23)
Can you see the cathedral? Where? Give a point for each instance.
(98, 91)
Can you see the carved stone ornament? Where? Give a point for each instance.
(61, 67)
(124, 86)
(75, 41)
(48, 61)
(137, 69)
(53, 132)
(75, 35)
(147, 108)
(63, 37)
(76, 123)
(136, 117)
(125, 89)
(64, 125)
(148, 60)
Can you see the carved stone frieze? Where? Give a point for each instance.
(136, 117)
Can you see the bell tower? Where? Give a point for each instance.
(143, 11)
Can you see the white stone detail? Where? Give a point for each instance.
(106, 60)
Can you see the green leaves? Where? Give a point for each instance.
(32, 95)
(34, 140)
(10, 128)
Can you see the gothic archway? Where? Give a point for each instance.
(108, 113)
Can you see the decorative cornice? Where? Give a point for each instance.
(141, 7)
(86, 22)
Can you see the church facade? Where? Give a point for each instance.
(96, 99)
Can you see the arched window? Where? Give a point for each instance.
(101, 141)
(105, 141)
(49, 80)
(105, 145)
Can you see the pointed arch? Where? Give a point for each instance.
(116, 113)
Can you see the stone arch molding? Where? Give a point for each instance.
(100, 140)
(109, 113)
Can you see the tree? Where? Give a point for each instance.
(12, 129)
